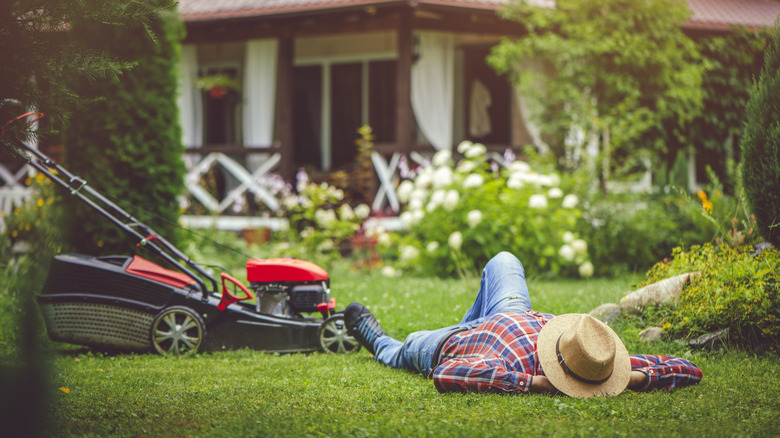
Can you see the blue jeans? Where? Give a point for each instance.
(502, 289)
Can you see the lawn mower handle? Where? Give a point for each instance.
(146, 235)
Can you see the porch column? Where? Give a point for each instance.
(404, 130)
(284, 106)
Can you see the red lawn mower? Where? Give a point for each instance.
(128, 303)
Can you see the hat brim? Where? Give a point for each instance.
(548, 358)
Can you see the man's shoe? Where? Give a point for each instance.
(362, 325)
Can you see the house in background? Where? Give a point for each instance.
(310, 72)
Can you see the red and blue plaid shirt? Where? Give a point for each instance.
(499, 355)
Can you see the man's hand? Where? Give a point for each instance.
(637, 380)
(542, 385)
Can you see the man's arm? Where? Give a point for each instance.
(662, 372)
(480, 374)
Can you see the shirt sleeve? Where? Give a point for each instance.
(479, 374)
(665, 371)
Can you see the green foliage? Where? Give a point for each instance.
(320, 222)
(614, 68)
(761, 146)
(629, 233)
(128, 146)
(32, 227)
(734, 290)
(733, 60)
(41, 64)
(460, 215)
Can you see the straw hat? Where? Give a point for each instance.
(583, 357)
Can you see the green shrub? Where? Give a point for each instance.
(761, 145)
(734, 290)
(126, 140)
(459, 216)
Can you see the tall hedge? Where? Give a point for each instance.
(761, 145)
(127, 141)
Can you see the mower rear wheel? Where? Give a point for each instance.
(334, 338)
(177, 330)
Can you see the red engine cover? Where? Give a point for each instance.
(274, 270)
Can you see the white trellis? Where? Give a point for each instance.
(249, 181)
(13, 192)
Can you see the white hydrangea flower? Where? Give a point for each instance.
(519, 166)
(407, 219)
(555, 193)
(450, 200)
(384, 239)
(324, 217)
(473, 180)
(416, 204)
(432, 246)
(570, 201)
(566, 252)
(389, 271)
(346, 213)
(442, 158)
(436, 200)
(362, 211)
(586, 269)
(537, 201)
(464, 146)
(408, 253)
(325, 246)
(442, 177)
(514, 182)
(474, 217)
(405, 190)
(425, 178)
(417, 216)
(290, 202)
(476, 150)
(455, 240)
(466, 166)
(568, 237)
(579, 246)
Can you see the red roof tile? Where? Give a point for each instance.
(707, 14)
(723, 13)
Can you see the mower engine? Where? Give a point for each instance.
(289, 287)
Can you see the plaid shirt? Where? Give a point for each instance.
(499, 355)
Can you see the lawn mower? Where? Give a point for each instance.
(128, 303)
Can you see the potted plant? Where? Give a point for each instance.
(218, 85)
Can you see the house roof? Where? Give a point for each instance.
(707, 14)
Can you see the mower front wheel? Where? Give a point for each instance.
(177, 330)
(334, 338)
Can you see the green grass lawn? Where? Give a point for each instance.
(248, 393)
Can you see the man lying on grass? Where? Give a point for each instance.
(501, 345)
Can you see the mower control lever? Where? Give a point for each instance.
(228, 297)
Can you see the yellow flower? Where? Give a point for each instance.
(666, 325)
(40, 202)
(65, 390)
(705, 203)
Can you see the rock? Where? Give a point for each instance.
(656, 293)
(710, 340)
(651, 334)
(607, 312)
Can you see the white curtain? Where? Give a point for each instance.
(190, 104)
(433, 76)
(525, 103)
(259, 92)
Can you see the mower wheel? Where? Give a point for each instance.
(334, 338)
(177, 330)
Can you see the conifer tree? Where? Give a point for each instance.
(761, 145)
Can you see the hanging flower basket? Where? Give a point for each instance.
(218, 85)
